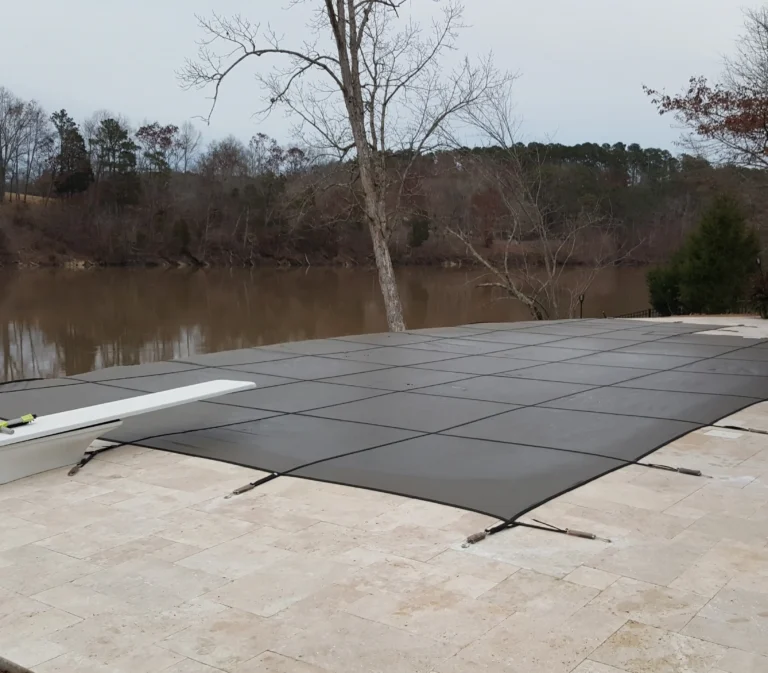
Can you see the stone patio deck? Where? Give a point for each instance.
(139, 564)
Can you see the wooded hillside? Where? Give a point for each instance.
(105, 193)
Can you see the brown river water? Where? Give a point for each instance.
(55, 323)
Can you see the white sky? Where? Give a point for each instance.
(583, 62)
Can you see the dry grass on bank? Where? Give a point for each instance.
(12, 197)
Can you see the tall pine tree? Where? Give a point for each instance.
(72, 172)
(711, 272)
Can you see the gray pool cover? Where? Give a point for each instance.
(493, 418)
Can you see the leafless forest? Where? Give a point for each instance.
(101, 191)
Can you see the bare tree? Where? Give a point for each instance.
(186, 147)
(13, 128)
(727, 121)
(540, 240)
(264, 155)
(382, 86)
(748, 67)
(24, 129)
(36, 142)
(225, 159)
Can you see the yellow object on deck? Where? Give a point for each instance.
(5, 426)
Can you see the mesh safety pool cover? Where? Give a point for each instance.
(493, 418)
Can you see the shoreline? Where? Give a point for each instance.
(287, 264)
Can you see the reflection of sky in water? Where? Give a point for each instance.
(57, 323)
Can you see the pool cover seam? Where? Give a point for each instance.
(623, 462)
(327, 356)
(485, 418)
(376, 347)
(521, 406)
(515, 407)
(639, 458)
(422, 434)
(755, 400)
(415, 391)
(649, 452)
(434, 362)
(288, 473)
(381, 367)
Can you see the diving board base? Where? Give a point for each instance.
(56, 440)
(50, 452)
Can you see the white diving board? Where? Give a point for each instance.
(58, 440)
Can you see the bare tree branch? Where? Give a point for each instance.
(541, 240)
(378, 94)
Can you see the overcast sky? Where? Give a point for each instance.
(582, 62)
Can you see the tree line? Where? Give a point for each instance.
(52, 155)
(104, 191)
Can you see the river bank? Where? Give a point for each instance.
(72, 235)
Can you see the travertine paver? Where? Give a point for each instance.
(316, 578)
(139, 564)
(638, 648)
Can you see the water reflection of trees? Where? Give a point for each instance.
(55, 322)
